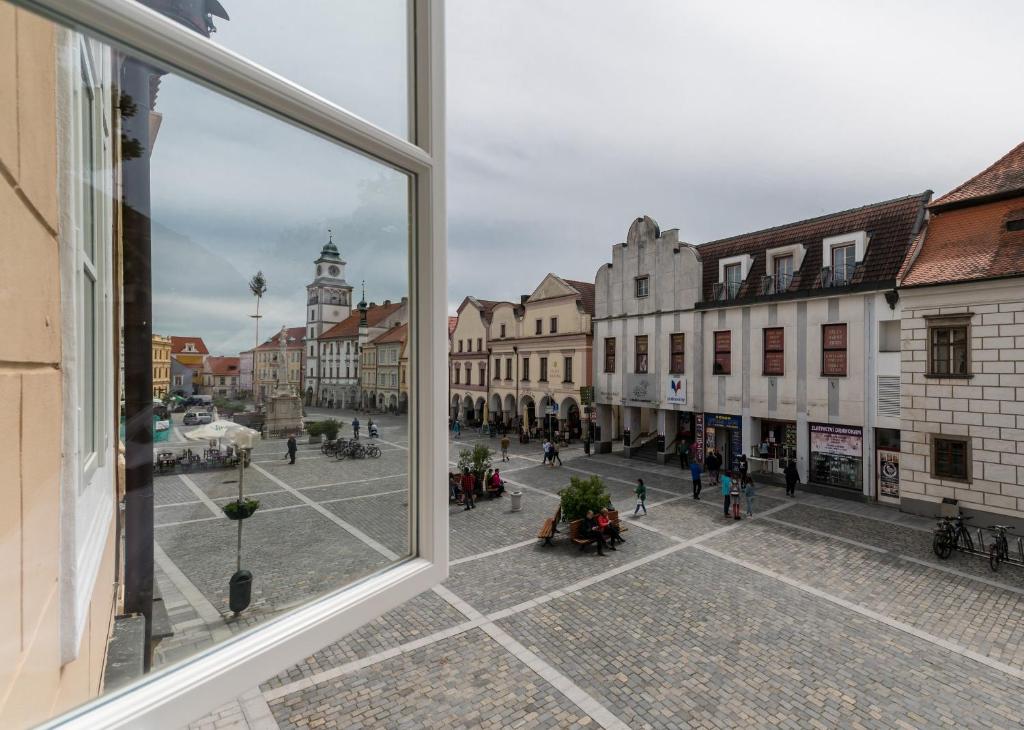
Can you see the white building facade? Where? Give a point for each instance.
(328, 302)
(787, 337)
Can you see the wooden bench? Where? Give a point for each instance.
(577, 539)
(550, 527)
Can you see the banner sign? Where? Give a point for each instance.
(587, 395)
(889, 473)
(718, 420)
(838, 440)
(698, 438)
(676, 390)
(639, 387)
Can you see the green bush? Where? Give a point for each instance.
(477, 460)
(316, 428)
(330, 428)
(582, 495)
(241, 509)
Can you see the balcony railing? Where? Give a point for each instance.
(775, 284)
(831, 277)
(724, 291)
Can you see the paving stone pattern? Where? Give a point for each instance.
(691, 641)
(467, 681)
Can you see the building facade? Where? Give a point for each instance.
(328, 302)
(181, 379)
(340, 352)
(468, 361)
(747, 341)
(59, 479)
(190, 352)
(383, 371)
(269, 370)
(540, 354)
(221, 376)
(245, 368)
(962, 296)
(161, 366)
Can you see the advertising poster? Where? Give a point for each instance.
(675, 391)
(838, 440)
(889, 473)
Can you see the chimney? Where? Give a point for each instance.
(523, 298)
(387, 302)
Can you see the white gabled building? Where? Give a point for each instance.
(328, 301)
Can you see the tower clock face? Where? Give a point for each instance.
(333, 270)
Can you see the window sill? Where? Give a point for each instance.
(949, 376)
(773, 375)
(958, 480)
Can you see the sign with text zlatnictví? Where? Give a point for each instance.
(639, 387)
(839, 440)
(675, 392)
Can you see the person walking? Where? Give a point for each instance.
(505, 443)
(554, 455)
(468, 490)
(292, 448)
(714, 463)
(749, 493)
(457, 428)
(641, 497)
(743, 465)
(734, 495)
(355, 428)
(695, 474)
(726, 492)
(792, 477)
(547, 452)
(683, 450)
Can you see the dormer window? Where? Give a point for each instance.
(1015, 225)
(840, 257)
(732, 272)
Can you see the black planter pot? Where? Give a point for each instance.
(240, 591)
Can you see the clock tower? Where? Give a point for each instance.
(328, 301)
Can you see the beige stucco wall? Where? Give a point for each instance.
(988, 407)
(33, 683)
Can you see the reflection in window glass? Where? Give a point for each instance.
(273, 259)
(352, 53)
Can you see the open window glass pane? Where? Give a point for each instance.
(354, 54)
(261, 406)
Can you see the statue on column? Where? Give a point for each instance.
(283, 386)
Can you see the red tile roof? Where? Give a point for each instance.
(1002, 179)
(891, 226)
(178, 345)
(586, 290)
(295, 336)
(216, 365)
(349, 327)
(452, 324)
(968, 244)
(397, 333)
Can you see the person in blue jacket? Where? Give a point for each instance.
(695, 471)
(726, 490)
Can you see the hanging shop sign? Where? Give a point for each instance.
(676, 390)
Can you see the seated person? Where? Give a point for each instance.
(590, 529)
(609, 528)
(455, 487)
(495, 483)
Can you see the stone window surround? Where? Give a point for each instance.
(933, 321)
(646, 279)
(796, 250)
(858, 238)
(932, 439)
(744, 260)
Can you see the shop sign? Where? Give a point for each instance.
(774, 338)
(838, 440)
(587, 394)
(889, 473)
(639, 387)
(676, 391)
(698, 433)
(833, 362)
(774, 363)
(835, 336)
(722, 421)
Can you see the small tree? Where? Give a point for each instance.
(314, 429)
(477, 460)
(582, 495)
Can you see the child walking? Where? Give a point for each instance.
(641, 497)
(734, 496)
(749, 493)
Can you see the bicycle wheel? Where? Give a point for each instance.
(341, 454)
(941, 545)
(995, 556)
(964, 539)
(373, 451)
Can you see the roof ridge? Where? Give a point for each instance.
(923, 195)
(965, 183)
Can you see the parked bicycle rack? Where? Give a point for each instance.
(1010, 558)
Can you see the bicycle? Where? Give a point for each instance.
(373, 451)
(950, 534)
(1000, 550)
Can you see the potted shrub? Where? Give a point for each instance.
(315, 431)
(241, 509)
(581, 495)
(477, 460)
(330, 428)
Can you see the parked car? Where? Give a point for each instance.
(197, 418)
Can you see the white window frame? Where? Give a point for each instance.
(797, 251)
(86, 505)
(744, 260)
(859, 239)
(186, 690)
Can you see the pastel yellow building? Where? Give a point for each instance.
(58, 478)
(161, 366)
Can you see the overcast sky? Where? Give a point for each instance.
(567, 120)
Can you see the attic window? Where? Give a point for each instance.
(1017, 224)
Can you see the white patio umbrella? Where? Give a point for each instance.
(224, 430)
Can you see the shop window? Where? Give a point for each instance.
(567, 369)
(889, 336)
(543, 370)
(676, 358)
(642, 286)
(641, 354)
(948, 347)
(609, 354)
(951, 458)
(833, 350)
(774, 356)
(723, 353)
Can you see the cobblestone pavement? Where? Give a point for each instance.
(828, 615)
